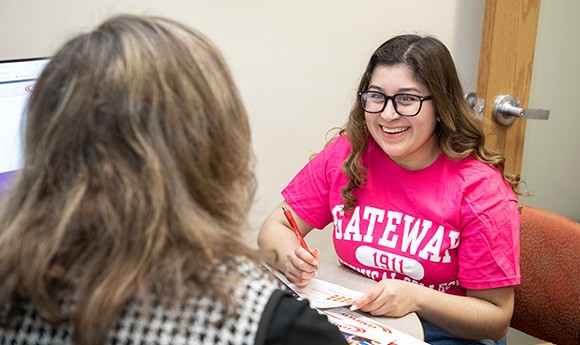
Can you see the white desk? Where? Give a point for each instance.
(333, 273)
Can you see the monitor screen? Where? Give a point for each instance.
(17, 79)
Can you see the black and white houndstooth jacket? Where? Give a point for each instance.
(194, 322)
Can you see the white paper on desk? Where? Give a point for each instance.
(359, 329)
(322, 294)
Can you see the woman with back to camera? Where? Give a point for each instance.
(125, 223)
(416, 201)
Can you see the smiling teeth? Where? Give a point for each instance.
(394, 130)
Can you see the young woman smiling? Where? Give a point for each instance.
(416, 201)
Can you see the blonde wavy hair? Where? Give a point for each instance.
(137, 179)
(459, 132)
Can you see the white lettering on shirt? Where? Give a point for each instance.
(393, 219)
(433, 247)
(353, 227)
(417, 236)
(411, 236)
(337, 214)
(454, 238)
(373, 215)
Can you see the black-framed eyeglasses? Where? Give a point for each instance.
(375, 102)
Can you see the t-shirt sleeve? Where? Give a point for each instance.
(289, 321)
(489, 246)
(309, 191)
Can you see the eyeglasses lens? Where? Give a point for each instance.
(375, 102)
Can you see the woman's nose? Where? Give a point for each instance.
(389, 112)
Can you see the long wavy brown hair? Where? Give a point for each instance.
(459, 132)
(137, 179)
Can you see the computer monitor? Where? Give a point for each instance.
(17, 78)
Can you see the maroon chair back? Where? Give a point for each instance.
(547, 302)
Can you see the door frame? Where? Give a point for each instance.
(506, 60)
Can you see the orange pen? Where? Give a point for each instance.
(292, 222)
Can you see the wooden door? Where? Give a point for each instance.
(505, 67)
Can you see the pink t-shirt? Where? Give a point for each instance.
(451, 226)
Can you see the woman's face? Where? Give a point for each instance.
(408, 140)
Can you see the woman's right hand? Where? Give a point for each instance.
(302, 266)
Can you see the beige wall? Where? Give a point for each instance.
(297, 62)
(551, 162)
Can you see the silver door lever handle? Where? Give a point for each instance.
(507, 109)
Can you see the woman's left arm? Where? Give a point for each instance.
(481, 314)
